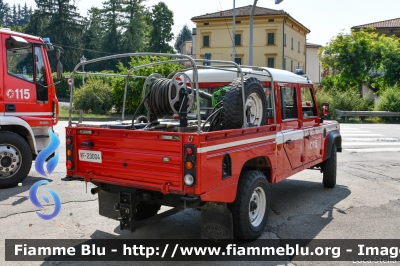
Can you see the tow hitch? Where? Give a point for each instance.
(127, 207)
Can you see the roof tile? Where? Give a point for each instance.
(241, 12)
(391, 23)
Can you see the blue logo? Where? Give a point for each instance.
(50, 166)
(45, 153)
(35, 200)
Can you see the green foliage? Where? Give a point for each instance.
(135, 36)
(118, 26)
(183, 36)
(390, 47)
(135, 86)
(349, 100)
(353, 55)
(96, 97)
(361, 57)
(337, 83)
(161, 21)
(390, 99)
(61, 22)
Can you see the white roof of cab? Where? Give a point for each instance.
(23, 35)
(278, 75)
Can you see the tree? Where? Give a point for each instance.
(134, 13)
(390, 66)
(59, 20)
(183, 36)
(111, 27)
(25, 15)
(353, 55)
(92, 35)
(4, 10)
(362, 57)
(161, 20)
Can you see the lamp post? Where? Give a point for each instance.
(233, 31)
(83, 60)
(251, 33)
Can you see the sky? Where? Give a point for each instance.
(324, 18)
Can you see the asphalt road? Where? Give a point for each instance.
(365, 204)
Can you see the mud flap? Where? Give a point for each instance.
(216, 221)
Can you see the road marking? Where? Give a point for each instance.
(361, 135)
(370, 144)
(354, 131)
(373, 150)
(372, 139)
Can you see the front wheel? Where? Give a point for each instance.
(251, 206)
(329, 169)
(15, 159)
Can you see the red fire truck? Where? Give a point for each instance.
(28, 103)
(221, 158)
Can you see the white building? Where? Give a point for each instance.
(313, 65)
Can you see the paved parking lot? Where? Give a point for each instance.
(365, 204)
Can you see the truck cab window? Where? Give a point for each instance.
(307, 103)
(40, 77)
(20, 62)
(288, 103)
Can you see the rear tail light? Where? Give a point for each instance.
(69, 164)
(189, 165)
(189, 151)
(189, 171)
(70, 152)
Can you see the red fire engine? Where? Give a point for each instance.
(28, 103)
(214, 139)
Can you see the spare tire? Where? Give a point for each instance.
(256, 109)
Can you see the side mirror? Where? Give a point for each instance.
(59, 65)
(325, 109)
(58, 54)
(59, 70)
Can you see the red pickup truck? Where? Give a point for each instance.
(215, 138)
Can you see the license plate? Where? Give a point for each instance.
(90, 156)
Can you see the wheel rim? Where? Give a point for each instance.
(10, 160)
(258, 202)
(254, 108)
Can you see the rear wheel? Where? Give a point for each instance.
(255, 104)
(329, 169)
(251, 206)
(15, 159)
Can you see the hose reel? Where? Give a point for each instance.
(163, 94)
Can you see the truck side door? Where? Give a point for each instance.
(312, 133)
(292, 134)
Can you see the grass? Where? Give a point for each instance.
(64, 112)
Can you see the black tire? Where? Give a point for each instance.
(244, 228)
(329, 168)
(15, 159)
(232, 111)
(142, 119)
(144, 211)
